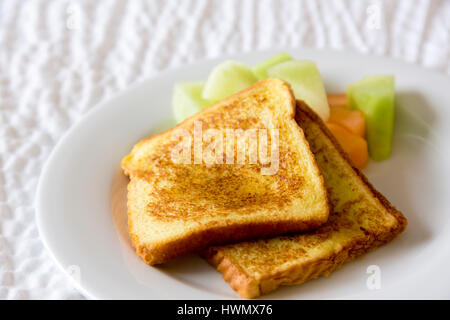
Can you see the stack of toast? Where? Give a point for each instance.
(260, 228)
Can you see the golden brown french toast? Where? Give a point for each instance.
(361, 220)
(176, 207)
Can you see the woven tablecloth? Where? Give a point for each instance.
(58, 59)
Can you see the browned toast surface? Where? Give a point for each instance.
(361, 220)
(174, 208)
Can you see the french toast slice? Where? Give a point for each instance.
(361, 220)
(176, 207)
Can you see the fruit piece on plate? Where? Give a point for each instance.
(260, 70)
(354, 145)
(351, 119)
(306, 83)
(337, 99)
(226, 79)
(374, 96)
(187, 100)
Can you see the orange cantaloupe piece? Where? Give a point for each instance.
(354, 145)
(352, 120)
(337, 99)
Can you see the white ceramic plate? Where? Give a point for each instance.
(81, 199)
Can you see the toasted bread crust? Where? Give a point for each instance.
(207, 110)
(201, 239)
(250, 287)
(220, 229)
(244, 285)
(303, 108)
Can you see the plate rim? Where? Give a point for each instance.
(98, 108)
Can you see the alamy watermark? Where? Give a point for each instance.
(74, 271)
(228, 146)
(373, 282)
(373, 20)
(73, 12)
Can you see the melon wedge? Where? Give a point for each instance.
(306, 83)
(374, 96)
(352, 120)
(226, 79)
(187, 100)
(260, 70)
(353, 145)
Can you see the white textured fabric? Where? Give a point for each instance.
(58, 59)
